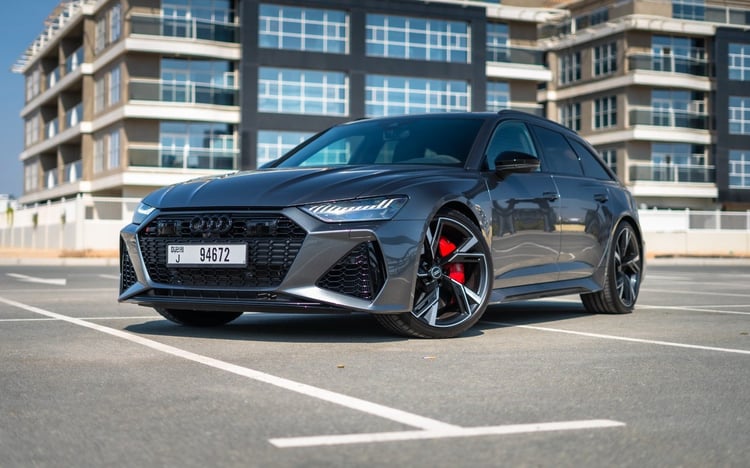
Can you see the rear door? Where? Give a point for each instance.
(585, 220)
(525, 225)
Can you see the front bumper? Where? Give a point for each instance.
(296, 263)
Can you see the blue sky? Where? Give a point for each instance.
(20, 23)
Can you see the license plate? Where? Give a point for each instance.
(212, 255)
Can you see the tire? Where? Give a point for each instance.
(623, 275)
(197, 318)
(453, 283)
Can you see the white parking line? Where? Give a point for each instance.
(707, 309)
(429, 428)
(697, 292)
(623, 338)
(142, 317)
(442, 434)
(110, 276)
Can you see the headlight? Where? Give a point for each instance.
(366, 209)
(142, 212)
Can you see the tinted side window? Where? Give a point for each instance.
(510, 135)
(592, 167)
(559, 157)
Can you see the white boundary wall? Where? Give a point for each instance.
(93, 223)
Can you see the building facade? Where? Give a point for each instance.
(123, 96)
(660, 88)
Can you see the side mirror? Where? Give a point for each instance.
(510, 162)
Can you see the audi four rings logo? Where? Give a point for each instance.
(210, 224)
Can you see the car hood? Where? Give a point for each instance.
(273, 188)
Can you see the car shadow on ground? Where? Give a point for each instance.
(355, 327)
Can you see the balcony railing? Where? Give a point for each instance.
(185, 158)
(667, 118)
(73, 116)
(186, 28)
(515, 55)
(72, 171)
(668, 64)
(675, 173)
(183, 92)
(74, 60)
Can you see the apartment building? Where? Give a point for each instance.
(123, 96)
(661, 89)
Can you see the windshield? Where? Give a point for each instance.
(428, 140)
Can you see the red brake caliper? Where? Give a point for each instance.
(455, 270)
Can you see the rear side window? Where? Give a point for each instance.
(592, 167)
(559, 157)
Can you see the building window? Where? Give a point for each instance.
(688, 9)
(32, 130)
(100, 34)
(609, 156)
(570, 68)
(395, 95)
(605, 59)
(739, 115)
(293, 28)
(197, 145)
(417, 39)
(605, 112)
(31, 176)
(497, 42)
(198, 81)
(219, 11)
(498, 95)
(114, 24)
(678, 54)
(289, 91)
(739, 169)
(98, 154)
(99, 96)
(570, 116)
(739, 62)
(274, 144)
(114, 149)
(114, 86)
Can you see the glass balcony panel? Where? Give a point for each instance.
(187, 28)
(183, 92)
(184, 158)
(674, 173)
(515, 55)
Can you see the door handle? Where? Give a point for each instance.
(601, 197)
(551, 196)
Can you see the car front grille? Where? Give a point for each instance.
(272, 240)
(359, 273)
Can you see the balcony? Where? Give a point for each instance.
(51, 128)
(672, 173)
(53, 77)
(668, 118)
(515, 55)
(183, 92)
(182, 158)
(185, 28)
(74, 60)
(668, 64)
(72, 171)
(73, 116)
(50, 178)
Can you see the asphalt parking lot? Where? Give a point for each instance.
(85, 381)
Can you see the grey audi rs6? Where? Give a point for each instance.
(421, 221)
